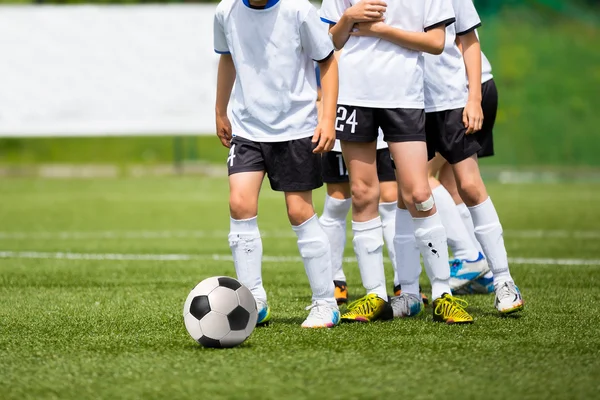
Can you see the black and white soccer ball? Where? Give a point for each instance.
(220, 312)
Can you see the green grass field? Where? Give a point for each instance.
(88, 310)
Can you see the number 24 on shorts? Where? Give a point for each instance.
(344, 118)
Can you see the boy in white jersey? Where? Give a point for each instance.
(267, 49)
(455, 214)
(453, 114)
(381, 86)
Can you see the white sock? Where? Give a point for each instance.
(408, 258)
(489, 233)
(387, 211)
(459, 240)
(316, 254)
(333, 222)
(368, 246)
(464, 212)
(246, 248)
(431, 239)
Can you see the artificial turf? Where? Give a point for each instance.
(76, 326)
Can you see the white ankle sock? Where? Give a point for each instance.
(333, 222)
(408, 258)
(387, 211)
(246, 248)
(464, 212)
(315, 251)
(368, 246)
(489, 233)
(459, 240)
(431, 239)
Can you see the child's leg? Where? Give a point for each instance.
(488, 229)
(411, 169)
(449, 182)
(313, 244)
(333, 221)
(388, 203)
(366, 223)
(244, 236)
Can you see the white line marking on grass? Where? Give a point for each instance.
(227, 257)
(194, 234)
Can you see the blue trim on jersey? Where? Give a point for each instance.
(326, 21)
(222, 52)
(270, 3)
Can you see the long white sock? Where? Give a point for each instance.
(368, 246)
(247, 250)
(459, 240)
(408, 258)
(431, 239)
(333, 222)
(465, 214)
(387, 211)
(489, 233)
(316, 254)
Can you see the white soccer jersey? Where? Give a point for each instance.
(486, 69)
(381, 144)
(445, 75)
(273, 49)
(377, 73)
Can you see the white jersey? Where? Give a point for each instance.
(381, 144)
(273, 49)
(377, 73)
(445, 75)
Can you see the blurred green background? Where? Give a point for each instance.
(546, 61)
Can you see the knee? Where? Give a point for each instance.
(364, 194)
(472, 190)
(417, 196)
(241, 206)
(299, 212)
(388, 193)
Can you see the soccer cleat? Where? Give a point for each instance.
(407, 305)
(424, 298)
(508, 298)
(481, 285)
(464, 271)
(264, 313)
(341, 292)
(322, 315)
(451, 310)
(366, 309)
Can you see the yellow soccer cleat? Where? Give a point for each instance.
(451, 310)
(367, 309)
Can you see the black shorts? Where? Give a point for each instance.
(291, 166)
(361, 124)
(446, 134)
(489, 104)
(335, 171)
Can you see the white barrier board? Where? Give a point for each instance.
(107, 70)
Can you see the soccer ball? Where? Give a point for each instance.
(220, 312)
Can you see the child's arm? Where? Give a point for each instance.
(225, 81)
(431, 41)
(365, 10)
(472, 114)
(325, 132)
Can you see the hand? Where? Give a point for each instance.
(367, 10)
(224, 130)
(473, 116)
(368, 28)
(324, 136)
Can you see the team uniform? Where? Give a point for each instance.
(381, 87)
(273, 118)
(446, 95)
